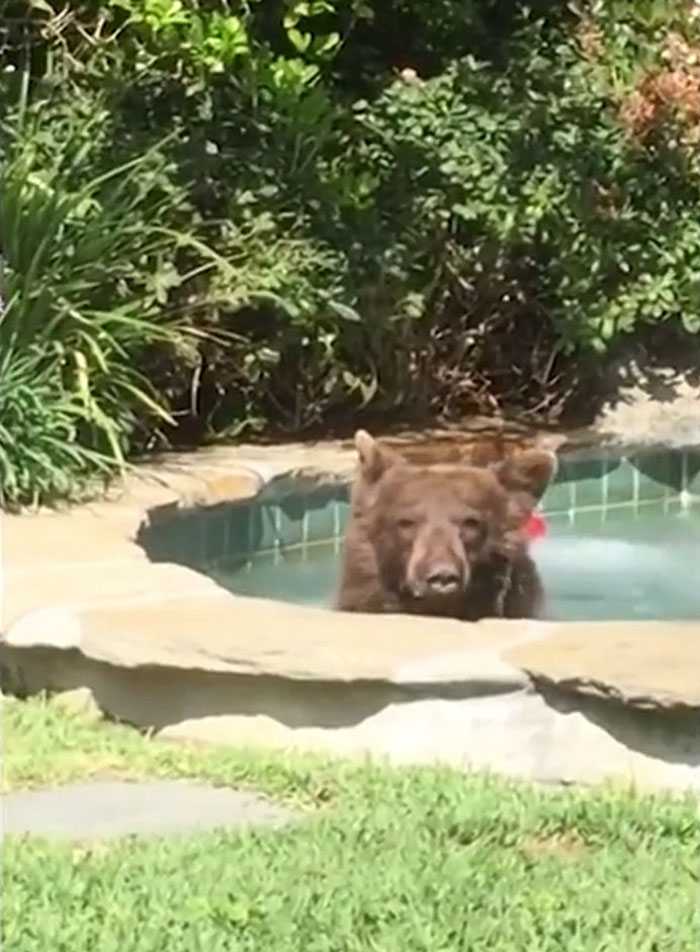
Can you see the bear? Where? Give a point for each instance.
(442, 539)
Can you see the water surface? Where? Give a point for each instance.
(616, 565)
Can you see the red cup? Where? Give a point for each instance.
(536, 527)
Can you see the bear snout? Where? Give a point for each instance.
(436, 575)
(443, 580)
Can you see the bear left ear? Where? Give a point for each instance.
(374, 459)
(528, 472)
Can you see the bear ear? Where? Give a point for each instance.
(374, 459)
(528, 472)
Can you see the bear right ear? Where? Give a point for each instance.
(530, 471)
(375, 460)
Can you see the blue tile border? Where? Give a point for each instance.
(586, 483)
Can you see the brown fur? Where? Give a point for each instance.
(445, 539)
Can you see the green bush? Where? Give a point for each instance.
(331, 209)
(88, 268)
(528, 168)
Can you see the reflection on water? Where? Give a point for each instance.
(647, 568)
(644, 566)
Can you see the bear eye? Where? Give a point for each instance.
(406, 523)
(471, 523)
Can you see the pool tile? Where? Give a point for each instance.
(228, 565)
(263, 527)
(187, 540)
(589, 480)
(692, 472)
(292, 556)
(557, 498)
(320, 520)
(588, 520)
(277, 525)
(214, 530)
(342, 515)
(587, 484)
(677, 471)
(643, 509)
(673, 506)
(289, 518)
(559, 520)
(659, 474)
(583, 490)
(620, 484)
(238, 535)
(157, 542)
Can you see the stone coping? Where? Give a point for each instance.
(75, 582)
(645, 665)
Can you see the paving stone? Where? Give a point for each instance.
(641, 664)
(113, 809)
(100, 581)
(215, 631)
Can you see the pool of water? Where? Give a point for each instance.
(617, 565)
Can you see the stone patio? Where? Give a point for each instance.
(163, 647)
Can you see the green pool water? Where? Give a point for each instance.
(627, 564)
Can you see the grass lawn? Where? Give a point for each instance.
(384, 861)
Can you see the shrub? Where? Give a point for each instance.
(87, 272)
(527, 167)
(475, 240)
(334, 209)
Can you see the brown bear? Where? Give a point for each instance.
(442, 539)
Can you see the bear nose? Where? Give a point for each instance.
(443, 580)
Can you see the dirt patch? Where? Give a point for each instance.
(565, 846)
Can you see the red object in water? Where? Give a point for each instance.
(536, 527)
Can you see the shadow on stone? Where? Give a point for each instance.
(155, 696)
(532, 730)
(671, 735)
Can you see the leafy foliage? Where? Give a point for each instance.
(406, 208)
(87, 270)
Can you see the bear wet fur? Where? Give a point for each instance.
(446, 540)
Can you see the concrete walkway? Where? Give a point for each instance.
(113, 809)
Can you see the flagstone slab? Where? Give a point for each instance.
(214, 631)
(223, 669)
(640, 664)
(82, 583)
(109, 809)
